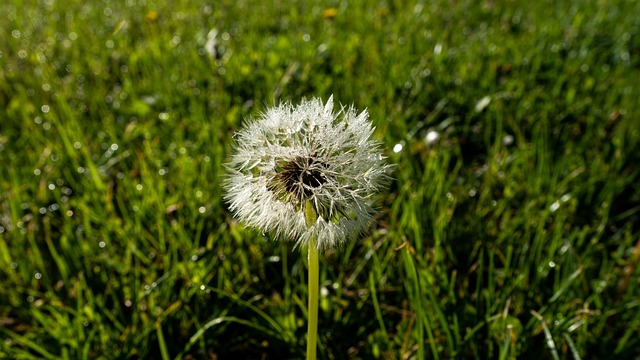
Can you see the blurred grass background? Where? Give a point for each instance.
(512, 228)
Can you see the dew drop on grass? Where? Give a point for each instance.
(38, 276)
(36, 172)
(483, 103)
(52, 186)
(431, 137)
(437, 49)
(102, 244)
(273, 259)
(202, 209)
(555, 206)
(202, 287)
(397, 148)
(507, 140)
(42, 210)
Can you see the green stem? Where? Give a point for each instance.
(312, 329)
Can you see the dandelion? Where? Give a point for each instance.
(309, 175)
(308, 153)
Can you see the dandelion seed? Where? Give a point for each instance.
(291, 156)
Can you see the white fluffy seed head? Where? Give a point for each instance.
(290, 155)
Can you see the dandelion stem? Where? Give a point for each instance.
(312, 321)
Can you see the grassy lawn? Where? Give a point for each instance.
(511, 228)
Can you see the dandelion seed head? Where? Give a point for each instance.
(291, 155)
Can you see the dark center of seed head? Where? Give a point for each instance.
(301, 173)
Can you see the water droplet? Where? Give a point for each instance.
(202, 287)
(38, 276)
(507, 140)
(52, 186)
(565, 197)
(139, 187)
(128, 303)
(36, 172)
(42, 210)
(69, 213)
(473, 192)
(274, 258)
(102, 244)
(397, 148)
(198, 193)
(552, 264)
(431, 137)
(45, 108)
(555, 206)
(437, 50)
(483, 103)
(194, 257)
(202, 209)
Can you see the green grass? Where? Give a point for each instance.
(515, 234)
